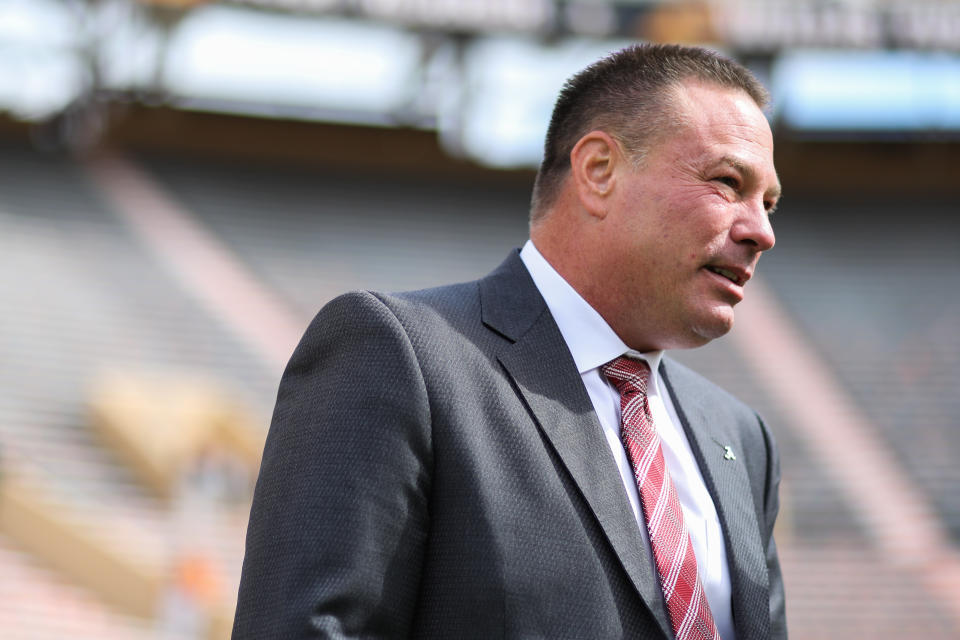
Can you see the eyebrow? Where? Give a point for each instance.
(747, 170)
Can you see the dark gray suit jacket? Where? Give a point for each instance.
(435, 469)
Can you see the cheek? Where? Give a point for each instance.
(691, 217)
(707, 230)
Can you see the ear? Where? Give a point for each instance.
(592, 165)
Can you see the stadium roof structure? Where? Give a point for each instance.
(745, 25)
(482, 74)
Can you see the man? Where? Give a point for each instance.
(513, 457)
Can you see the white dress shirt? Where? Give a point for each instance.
(593, 343)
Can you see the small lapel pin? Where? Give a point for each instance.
(728, 453)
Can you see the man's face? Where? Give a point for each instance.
(686, 227)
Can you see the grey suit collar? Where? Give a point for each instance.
(509, 300)
(546, 378)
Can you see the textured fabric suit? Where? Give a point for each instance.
(435, 469)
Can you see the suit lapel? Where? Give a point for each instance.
(729, 486)
(546, 378)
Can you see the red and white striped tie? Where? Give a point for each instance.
(672, 549)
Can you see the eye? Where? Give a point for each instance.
(730, 181)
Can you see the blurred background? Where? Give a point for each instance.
(184, 183)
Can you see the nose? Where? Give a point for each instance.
(753, 228)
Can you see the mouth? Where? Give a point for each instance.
(735, 275)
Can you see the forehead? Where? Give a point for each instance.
(717, 123)
(703, 104)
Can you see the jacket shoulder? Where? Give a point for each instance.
(683, 380)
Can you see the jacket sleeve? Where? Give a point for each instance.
(339, 519)
(778, 616)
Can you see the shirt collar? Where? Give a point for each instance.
(588, 336)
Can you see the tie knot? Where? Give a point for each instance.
(627, 374)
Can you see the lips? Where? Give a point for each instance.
(736, 275)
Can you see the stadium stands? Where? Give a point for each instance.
(81, 297)
(315, 234)
(873, 284)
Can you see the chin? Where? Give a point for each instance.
(695, 336)
(718, 325)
